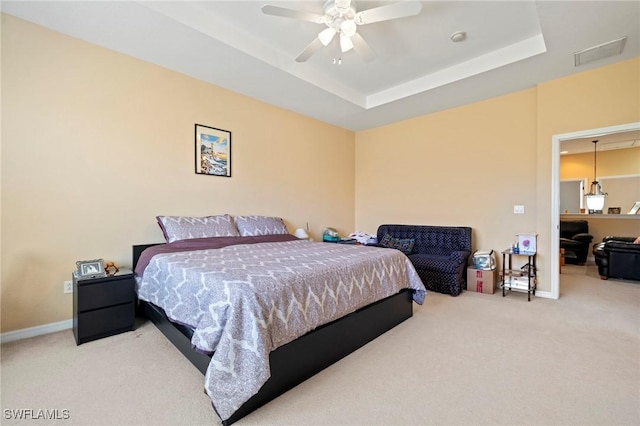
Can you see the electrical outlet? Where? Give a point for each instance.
(518, 209)
(68, 287)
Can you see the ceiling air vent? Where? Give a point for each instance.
(600, 51)
(619, 145)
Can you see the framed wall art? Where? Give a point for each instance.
(90, 269)
(213, 151)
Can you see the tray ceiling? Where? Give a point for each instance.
(418, 70)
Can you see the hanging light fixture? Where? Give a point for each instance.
(595, 197)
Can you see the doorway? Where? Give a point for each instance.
(556, 142)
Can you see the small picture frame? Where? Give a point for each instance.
(527, 243)
(635, 209)
(213, 151)
(613, 210)
(90, 269)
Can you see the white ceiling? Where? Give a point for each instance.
(510, 46)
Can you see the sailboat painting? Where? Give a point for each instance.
(213, 151)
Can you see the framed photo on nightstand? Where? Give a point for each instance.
(90, 269)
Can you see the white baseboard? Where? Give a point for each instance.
(39, 330)
(544, 294)
(54, 327)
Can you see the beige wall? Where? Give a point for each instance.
(95, 144)
(470, 165)
(618, 172)
(601, 226)
(602, 97)
(622, 162)
(619, 162)
(465, 166)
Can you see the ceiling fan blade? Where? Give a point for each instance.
(291, 13)
(390, 11)
(362, 48)
(312, 48)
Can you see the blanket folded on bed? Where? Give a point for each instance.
(246, 300)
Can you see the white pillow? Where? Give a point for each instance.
(177, 228)
(250, 226)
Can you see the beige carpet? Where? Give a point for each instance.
(474, 359)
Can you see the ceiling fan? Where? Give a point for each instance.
(342, 18)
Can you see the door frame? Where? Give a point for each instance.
(556, 141)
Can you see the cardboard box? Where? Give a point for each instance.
(481, 280)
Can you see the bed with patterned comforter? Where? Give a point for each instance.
(246, 296)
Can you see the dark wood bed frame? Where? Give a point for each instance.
(302, 358)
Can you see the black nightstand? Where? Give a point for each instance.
(103, 306)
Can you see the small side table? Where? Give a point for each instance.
(103, 306)
(525, 279)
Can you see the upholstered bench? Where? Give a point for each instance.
(439, 253)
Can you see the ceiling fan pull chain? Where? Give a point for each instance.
(337, 60)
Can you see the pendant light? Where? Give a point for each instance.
(595, 197)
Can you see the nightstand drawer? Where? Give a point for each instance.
(105, 322)
(106, 293)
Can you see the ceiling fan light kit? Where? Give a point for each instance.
(341, 17)
(348, 27)
(345, 43)
(326, 35)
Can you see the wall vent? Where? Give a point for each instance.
(606, 146)
(600, 51)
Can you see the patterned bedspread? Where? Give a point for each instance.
(246, 300)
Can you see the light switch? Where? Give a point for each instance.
(518, 209)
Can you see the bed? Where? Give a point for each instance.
(286, 340)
